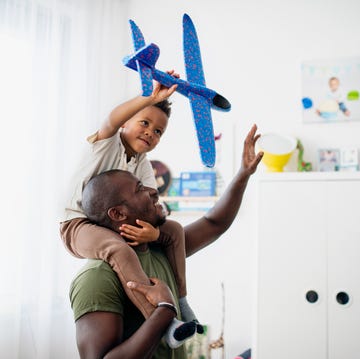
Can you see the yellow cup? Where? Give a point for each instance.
(277, 149)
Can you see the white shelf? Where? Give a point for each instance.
(188, 199)
(190, 206)
(309, 176)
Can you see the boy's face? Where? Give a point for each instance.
(334, 84)
(143, 131)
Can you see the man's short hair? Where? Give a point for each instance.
(99, 195)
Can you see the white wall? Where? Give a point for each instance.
(252, 52)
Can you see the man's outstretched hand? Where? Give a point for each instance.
(250, 159)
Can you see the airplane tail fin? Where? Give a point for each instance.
(137, 36)
(144, 61)
(148, 55)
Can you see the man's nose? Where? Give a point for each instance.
(152, 191)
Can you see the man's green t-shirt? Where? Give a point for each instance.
(97, 288)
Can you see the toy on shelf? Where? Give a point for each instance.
(302, 165)
(202, 99)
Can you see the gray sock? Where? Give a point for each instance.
(187, 313)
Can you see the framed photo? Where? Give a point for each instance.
(329, 159)
(349, 159)
(330, 90)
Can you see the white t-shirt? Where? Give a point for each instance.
(102, 156)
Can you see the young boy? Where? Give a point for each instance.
(132, 129)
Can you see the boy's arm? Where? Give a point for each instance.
(122, 113)
(213, 224)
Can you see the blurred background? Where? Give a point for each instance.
(61, 73)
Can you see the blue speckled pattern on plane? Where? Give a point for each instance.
(144, 71)
(200, 105)
(204, 129)
(192, 56)
(202, 99)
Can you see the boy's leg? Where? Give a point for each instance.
(172, 238)
(84, 239)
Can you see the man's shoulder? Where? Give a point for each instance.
(96, 287)
(94, 273)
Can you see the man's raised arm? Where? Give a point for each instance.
(217, 220)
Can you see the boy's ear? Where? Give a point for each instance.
(117, 213)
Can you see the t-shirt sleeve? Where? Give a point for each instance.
(145, 173)
(96, 288)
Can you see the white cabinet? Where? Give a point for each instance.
(308, 266)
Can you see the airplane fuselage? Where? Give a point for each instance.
(215, 100)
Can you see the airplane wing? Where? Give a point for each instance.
(192, 56)
(144, 71)
(200, 105)
(204, 128)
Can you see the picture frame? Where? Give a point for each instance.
(330, 89)
(349, 159)
(328, 159)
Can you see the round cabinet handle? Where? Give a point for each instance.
(312, 296)
(342, 298)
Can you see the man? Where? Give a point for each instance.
(107, 324)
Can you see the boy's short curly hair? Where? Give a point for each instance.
(164, 106)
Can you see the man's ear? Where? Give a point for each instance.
(117, 213)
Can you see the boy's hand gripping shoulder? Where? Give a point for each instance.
(137, 235)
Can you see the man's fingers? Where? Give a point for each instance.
(142, 287)
(139, 287)
(154, 280)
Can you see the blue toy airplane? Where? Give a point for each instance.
(201, 98)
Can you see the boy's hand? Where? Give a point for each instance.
(138, 235)
(161, 92)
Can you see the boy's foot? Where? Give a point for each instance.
(178, 332)
(199, 327)
(185, 331)
(188, 314)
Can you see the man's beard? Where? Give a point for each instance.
(160, 221)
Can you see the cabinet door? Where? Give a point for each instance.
(343, 203)
(291, 262)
